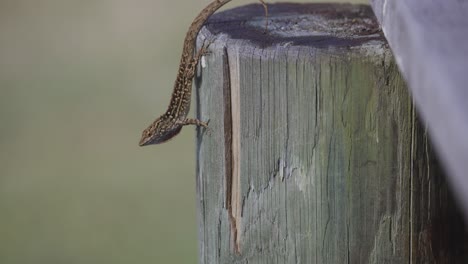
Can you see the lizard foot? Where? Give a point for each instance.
(194, 121)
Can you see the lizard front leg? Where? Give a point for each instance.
(194, 121)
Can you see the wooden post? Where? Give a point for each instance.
(315, 153)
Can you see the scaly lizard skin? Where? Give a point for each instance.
(170, 123)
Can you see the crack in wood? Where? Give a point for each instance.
(230, 158)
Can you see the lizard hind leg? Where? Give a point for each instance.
(265, 7)
(204, 49)
(191, 67)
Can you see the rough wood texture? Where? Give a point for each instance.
(315, 153)
(430, 41)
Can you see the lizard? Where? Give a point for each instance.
(171, 122)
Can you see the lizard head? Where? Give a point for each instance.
(160, 131)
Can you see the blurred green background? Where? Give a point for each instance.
(79, 81)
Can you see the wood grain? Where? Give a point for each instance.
(316, 153)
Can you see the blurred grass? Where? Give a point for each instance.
(79, 80)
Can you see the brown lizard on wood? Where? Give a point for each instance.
(170, 123)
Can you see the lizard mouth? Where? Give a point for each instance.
(143, 142)
(158, 139)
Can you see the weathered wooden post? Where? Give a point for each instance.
(315, 153)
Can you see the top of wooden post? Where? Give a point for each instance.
(292, 24)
